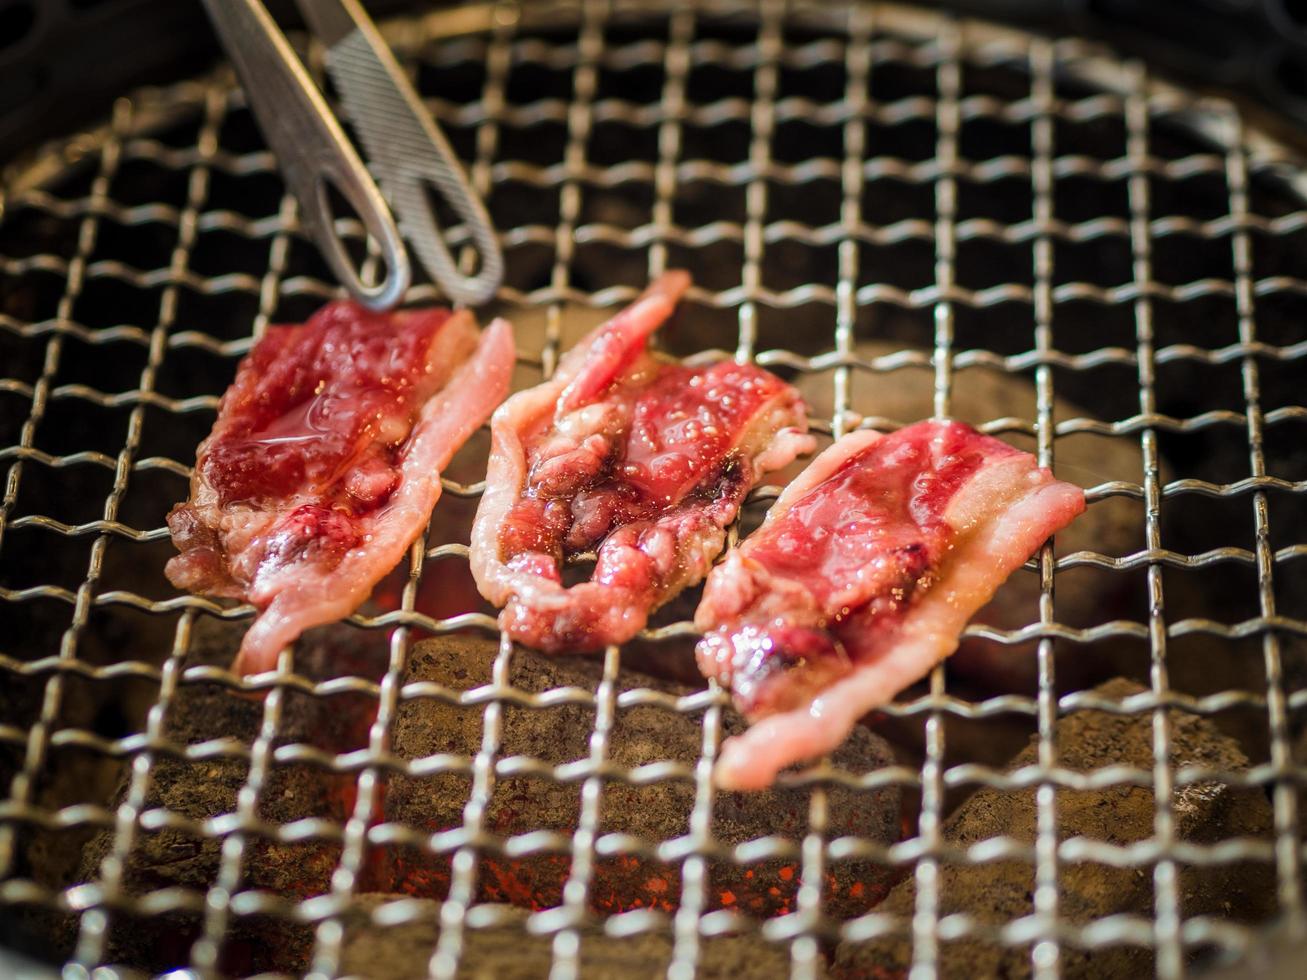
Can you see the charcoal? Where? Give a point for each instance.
(655, 812)
(1000, 892)
(203, 789)
(508, 952)
(70, 776)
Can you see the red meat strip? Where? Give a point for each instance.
(862, 578)
(324, 463)
(644, 459)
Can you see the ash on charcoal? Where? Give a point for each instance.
(508, 952)
(207, 788)
(656, 812)
(999, 893)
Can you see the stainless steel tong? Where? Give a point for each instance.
(407, 151)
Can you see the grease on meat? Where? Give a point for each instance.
(324, 463)
(642, 459)
(861, 579)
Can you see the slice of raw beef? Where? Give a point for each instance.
(862, 578)
(640, 459)
(324, 463)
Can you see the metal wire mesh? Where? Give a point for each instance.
(138, 255)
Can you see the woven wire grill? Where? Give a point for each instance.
(527, 94)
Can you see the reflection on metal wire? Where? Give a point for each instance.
(863, 39)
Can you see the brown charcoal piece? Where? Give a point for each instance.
(999, 893)
(655, 812)
(209, 788)
(508, 952)
(69, 776)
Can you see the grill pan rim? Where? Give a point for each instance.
(1274, 155)
(1269, 156)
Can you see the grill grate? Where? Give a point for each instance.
(594, 192)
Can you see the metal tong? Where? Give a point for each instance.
(408, 153)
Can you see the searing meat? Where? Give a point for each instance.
(325, 461)
(643, 459)
(861, 579)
